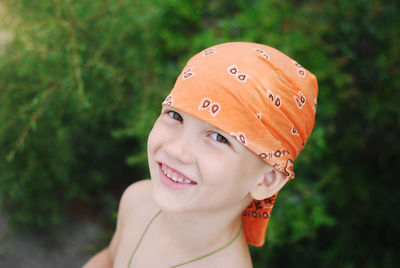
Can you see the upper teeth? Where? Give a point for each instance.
(174, 176)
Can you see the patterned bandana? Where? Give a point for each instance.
(260, 96)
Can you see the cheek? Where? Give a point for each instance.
(229, 176)
(150, 141)
(222, 173)
(154, 139)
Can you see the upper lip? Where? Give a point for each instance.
(176, 171)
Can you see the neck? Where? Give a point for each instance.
(210, 230)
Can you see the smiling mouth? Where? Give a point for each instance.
(175, 176)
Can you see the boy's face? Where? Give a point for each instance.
(196, 167)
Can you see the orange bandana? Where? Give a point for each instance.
(260, 96)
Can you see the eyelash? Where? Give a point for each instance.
(175, 115)
(222, 138)
(219, 138)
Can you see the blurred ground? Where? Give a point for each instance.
(68, 245)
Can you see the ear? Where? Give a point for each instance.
(269, 184)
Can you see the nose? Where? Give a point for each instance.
(180, 147)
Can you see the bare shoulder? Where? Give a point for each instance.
(139, 189)
(136, 191)
(135, 207)
(136, 199)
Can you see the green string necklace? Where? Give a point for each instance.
(186, 262)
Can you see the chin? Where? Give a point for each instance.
(165, 201)
(167, 205)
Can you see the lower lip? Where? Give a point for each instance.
(172, 184)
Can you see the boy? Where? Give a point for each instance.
(222, 148)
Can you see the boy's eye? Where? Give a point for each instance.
(175, 115)
(218, 137)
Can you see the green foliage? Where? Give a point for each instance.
(81, 84)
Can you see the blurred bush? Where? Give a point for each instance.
(81, 84)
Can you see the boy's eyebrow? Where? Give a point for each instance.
(170, 108)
